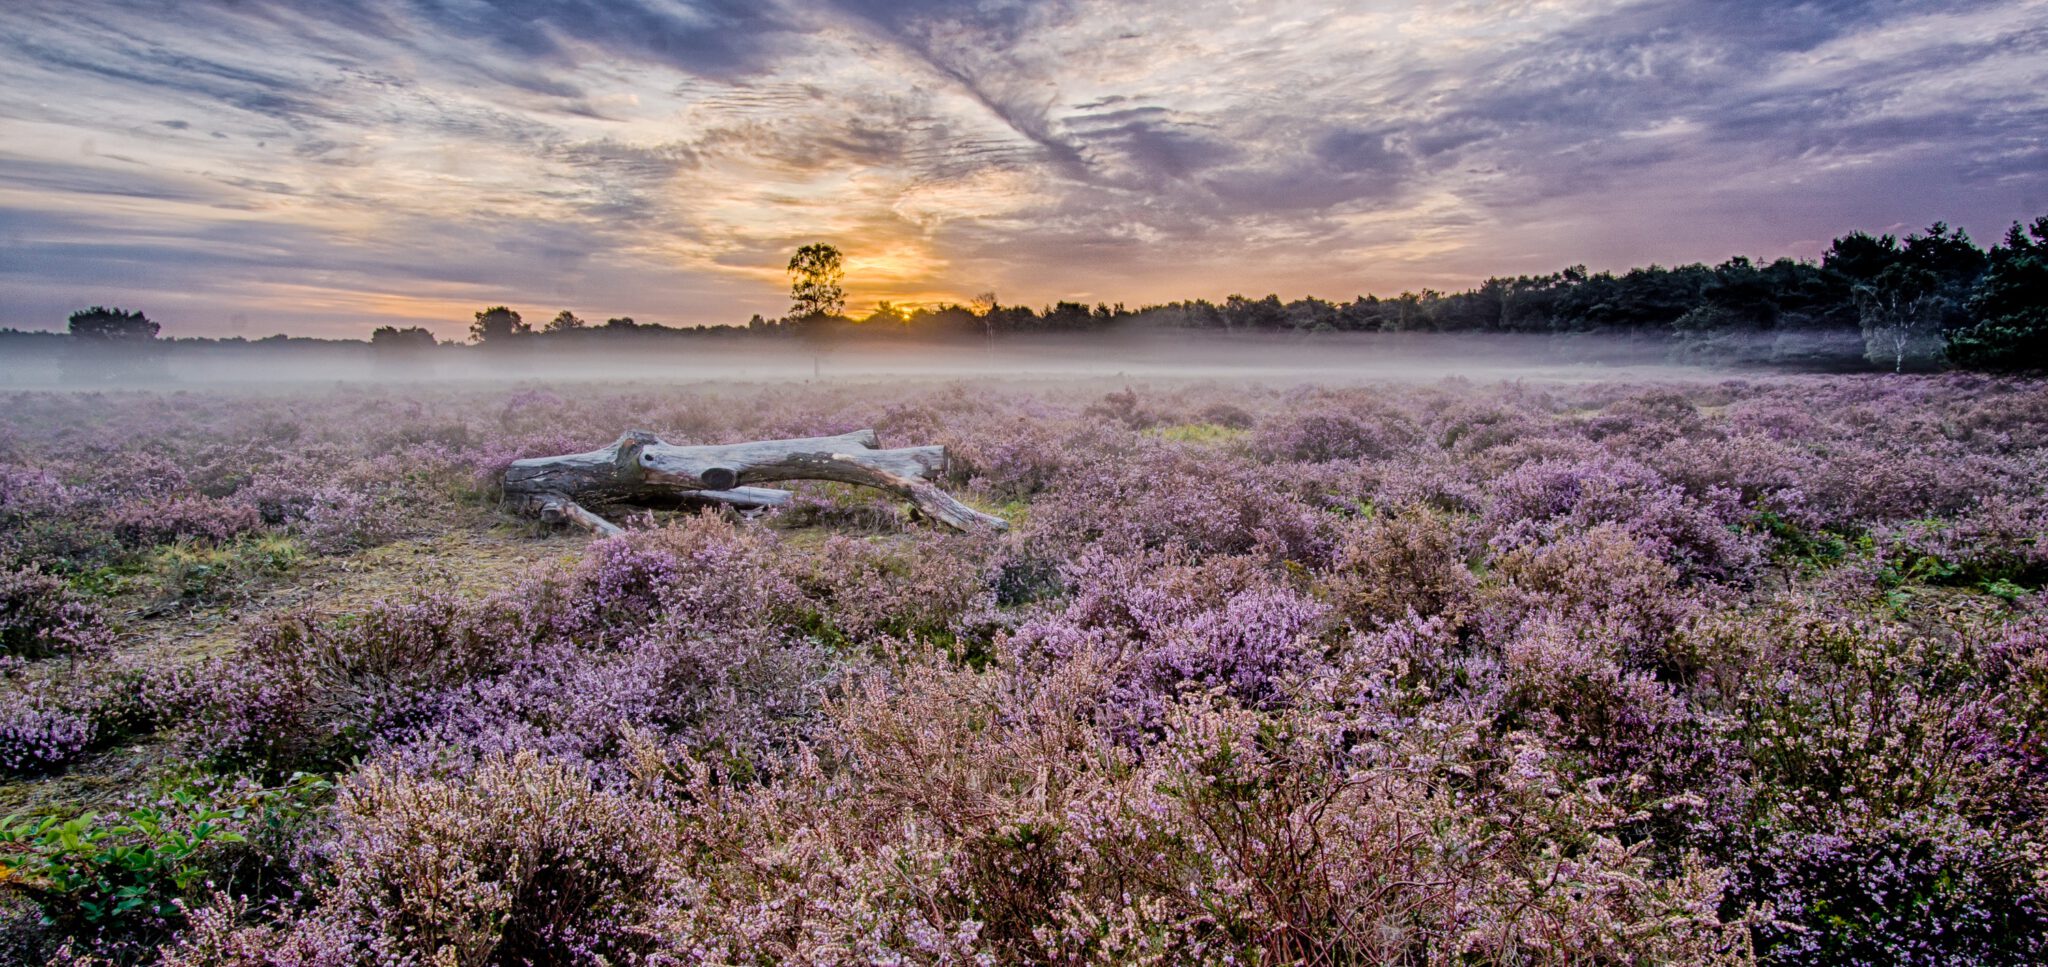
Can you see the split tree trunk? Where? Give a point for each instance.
(640, 466)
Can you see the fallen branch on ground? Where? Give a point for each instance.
(640, 467)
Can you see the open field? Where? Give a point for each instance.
(1684, 668)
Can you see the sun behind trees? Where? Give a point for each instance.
(1922, 301)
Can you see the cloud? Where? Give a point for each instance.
(123, 180)
(662, 156)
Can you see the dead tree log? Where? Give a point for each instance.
(640, 467)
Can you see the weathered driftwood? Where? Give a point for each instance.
(640, 467)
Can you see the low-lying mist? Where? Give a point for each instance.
(1321, 358)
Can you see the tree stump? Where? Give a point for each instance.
(640, 467)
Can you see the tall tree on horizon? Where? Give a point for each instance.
(815, 272)
(112, 325)
(496, 324)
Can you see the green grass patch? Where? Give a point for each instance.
(193, 572)
(1206, 434)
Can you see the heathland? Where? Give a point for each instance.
(1442, 671)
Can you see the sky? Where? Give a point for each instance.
(321, 167)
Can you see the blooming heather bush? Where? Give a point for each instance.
(1124, 406)
(42, 727)
(517, 862)
(50, 717)
(1471, 429)
(1925, 887)
(40, 617)
(1676, 768)
(341, 519)
(1391, 566)
(1158, 497)
(140, 475)
(1021, 458)
(1427, 479)
(333, 518)
(1240, 836)
(1333, 432)
(1230, 416)
(151, 521)
(1161, 627)
(688, 633)
(1996, 543)
(1603, 583)
(1542, 500)
(870, 590)
(44, 523)
(2016, 667)
(1246, 648)
(957, 777)
(706, 571)
(1845, 714)
(528, 410)
(308, 692)
(218, 933)
(1314, 851)
(1866, 740)
(742, 698)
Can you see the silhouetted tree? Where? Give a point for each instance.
(1946, 252)
(888, 315)
(1066, 317)
(394, 338)
(2009, 306)
(1312, 315)
(112, 325)
(815, 272)
(563, 322)
(112, 345)
(1861, 256)
(497, 324)
(620, 324)
(1242, 313)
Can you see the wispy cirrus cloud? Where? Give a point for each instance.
(325, 167)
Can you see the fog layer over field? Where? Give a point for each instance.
(1339, 358)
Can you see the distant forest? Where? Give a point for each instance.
(1927, 300)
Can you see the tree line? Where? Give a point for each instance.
(1920, 301)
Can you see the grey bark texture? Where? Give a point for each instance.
(640, 466)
